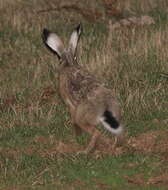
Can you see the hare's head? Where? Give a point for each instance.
(67, 55)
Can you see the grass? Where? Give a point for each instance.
(33, 119)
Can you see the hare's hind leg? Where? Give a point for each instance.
(92, 143)
(87, 122)
(95, 137)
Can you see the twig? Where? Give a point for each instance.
(88, 14)
(164, 75)
(48, 10)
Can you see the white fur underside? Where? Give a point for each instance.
(117, 131)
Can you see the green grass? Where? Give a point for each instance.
(87, 172)
(33, 118)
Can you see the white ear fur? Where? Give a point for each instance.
(74, 39)
(53, 42)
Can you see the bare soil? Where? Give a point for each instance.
(145, 143)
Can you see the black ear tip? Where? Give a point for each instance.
(79, 28)
(45, 34)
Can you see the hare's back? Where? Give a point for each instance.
(79, 82)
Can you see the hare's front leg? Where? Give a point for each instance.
(77, 129)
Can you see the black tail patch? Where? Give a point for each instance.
(79, 28)
(111, 120)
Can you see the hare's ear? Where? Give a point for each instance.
(73, 42)
(53, 42)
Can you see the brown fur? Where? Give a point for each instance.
(86, 97)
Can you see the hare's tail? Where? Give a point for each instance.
(111, 123)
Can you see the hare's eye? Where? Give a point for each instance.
(75, 58)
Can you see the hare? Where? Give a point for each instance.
(90, 103)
